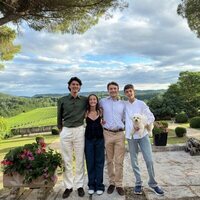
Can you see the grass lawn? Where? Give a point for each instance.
(173, 139)
(185, 125)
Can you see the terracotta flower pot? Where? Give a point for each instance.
(17, 180)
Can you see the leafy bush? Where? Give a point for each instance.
(195, 122)
(55, 131)
(180, 131)
(181, 118)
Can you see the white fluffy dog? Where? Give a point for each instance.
(140, 124)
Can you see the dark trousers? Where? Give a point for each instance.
(95, 157)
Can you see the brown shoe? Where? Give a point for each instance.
(66, 193)
(120, 191)
(110, 189)
(81, 192)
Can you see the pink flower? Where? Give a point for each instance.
(42, 144)
(31, 158)
(22, 156)
(38, 151)
(45, 169)
(27, 154)
(7, 162)
(45, 175)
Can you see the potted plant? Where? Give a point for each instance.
(160, 133)
(31, 166)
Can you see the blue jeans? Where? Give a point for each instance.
(145, 146)
(95, 157)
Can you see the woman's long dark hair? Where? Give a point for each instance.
(97, 106)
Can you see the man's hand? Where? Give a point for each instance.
(136, 129)
(103, 122)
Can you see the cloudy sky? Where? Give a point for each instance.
(147, 44)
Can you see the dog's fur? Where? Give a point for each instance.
(140, 124)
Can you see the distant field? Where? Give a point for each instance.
(37, 117)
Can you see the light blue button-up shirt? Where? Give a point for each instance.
(113, 113)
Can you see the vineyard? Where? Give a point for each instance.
(37, 117)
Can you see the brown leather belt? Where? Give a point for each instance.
(114, 131)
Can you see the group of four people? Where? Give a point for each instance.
(106, 120)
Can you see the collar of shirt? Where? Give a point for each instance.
(117, 99)
(129, 102)
(71, 97)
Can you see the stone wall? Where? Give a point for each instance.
(23, 131)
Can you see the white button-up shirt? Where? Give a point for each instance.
(113, 113)
(136, 107)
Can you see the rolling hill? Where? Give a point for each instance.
(37, 117)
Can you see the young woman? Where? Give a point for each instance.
(94, 146)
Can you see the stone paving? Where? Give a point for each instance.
(177, 173)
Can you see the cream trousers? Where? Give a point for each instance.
(72, 140)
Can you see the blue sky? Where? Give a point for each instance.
(147, 45)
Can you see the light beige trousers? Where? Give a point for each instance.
(115, 150)
(73, 140)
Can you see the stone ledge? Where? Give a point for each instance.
(173, 147)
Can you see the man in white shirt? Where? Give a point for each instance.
(135, 106)
(113, 123)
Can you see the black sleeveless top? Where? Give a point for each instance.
(93, 128)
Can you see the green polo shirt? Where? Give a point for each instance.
(71, 111)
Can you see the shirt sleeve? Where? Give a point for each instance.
(147, 112)
(59, 114)
(124, 112)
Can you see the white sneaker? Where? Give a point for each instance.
(99, 192)
(90, 191)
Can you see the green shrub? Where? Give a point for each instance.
(54, 131)
(180, 131)
(195, 122)
(181, 118)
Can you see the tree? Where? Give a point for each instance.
(7, 48)
(189, 83)
(190, 9)
(183, 96)
(72, 16)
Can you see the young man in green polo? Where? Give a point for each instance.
(70, 116)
